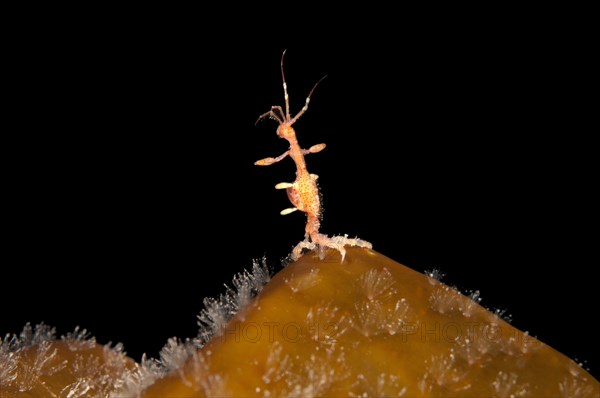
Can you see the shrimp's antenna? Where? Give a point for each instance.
(305, 107)
(285, 93)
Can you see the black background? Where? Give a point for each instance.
(130, 190)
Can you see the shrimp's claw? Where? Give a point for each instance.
(265, 162)
(317, 148)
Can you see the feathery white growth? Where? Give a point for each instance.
(138, 379)
(45, 362)
(395, 317)
(171, 358)
(327, 324)
(506, 386)
(445, 299)
(12, 346)
(374, 318)
(248, 284)
(241, 292)
(520, 344)
(443, 374)
(260, 275)
(476, 346)
(8, 366)
(218, 311)
(380, 387)
(475, 296)
(316, 377)
(303, 282)
(116, 363)
(469, 307)
(211, 321)
(174, 354)
(213, 317)
(78, 389)
(434, 276)
(93, 376)
(501, 314)
(211, 384)
(309, 379)
(377, 285)
(79, 340)
(368, 314)
(90, 375)
(276, 364)
(30, 336)
(576, 385)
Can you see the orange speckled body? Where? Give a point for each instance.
(304, 194)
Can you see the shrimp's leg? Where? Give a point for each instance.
(278, 116)
(313, 149)
(270, 161)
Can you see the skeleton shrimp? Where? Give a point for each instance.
(303, 193)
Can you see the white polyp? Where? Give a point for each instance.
(217, 311)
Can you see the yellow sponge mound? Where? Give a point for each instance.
(370, 327)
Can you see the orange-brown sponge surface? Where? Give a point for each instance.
(370, 327)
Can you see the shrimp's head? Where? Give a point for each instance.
(286, 131)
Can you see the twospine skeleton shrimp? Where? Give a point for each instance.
(304, 191)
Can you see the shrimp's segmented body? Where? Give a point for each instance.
(304, 191)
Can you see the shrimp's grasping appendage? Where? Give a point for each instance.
(303, 192)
